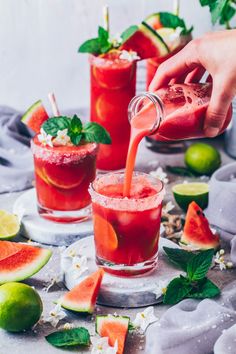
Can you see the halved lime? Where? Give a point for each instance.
(9, 225)
(187, 192)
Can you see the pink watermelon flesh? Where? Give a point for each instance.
(35, 116)
(115, 328)
(197, 230)
(82, 298)
(19, 261)
(146, 42)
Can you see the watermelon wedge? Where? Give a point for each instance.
(19, 261)
(197, 231)
(35, 116)
(115, 328)
(82, 298)
(146, 42)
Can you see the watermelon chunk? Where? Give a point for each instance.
(115, 328)
(82, 298)
(197, 231)
(35, 116)
(146, 42)
(20, 261)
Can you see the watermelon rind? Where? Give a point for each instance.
(163, 47)
(27, 115)
(102, 319)
(28, 270)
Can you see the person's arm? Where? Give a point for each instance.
(215, 53)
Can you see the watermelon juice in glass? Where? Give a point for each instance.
(65, 152)
(113, 82)
(62, 176)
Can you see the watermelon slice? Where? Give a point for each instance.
(197, 232)
(82, 297)
(19, 261)
(146, 42)
(35, 116)
(115, 328)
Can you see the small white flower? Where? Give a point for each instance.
(44, 138)
(145, 318)
(116, 40)
(219, 259)
(53, 281)
(62, 137)
(68, 325)
(159, 173)
(229, 265)
(130, 56)
(168, 207)
(160, 289)
(55, 315)
(79, 266)
(101, 346)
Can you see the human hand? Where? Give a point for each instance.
(215, 53)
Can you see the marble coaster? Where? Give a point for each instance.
(40, 230)
(120, 291)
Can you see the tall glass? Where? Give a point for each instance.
(63, 175)
(113, 82)
(126, 230)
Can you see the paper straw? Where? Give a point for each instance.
(105, 12)
(176, 6)
(52, 100)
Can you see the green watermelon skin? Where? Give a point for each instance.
(21, 262)
(35, 116)
(146, 42)
(197, 232)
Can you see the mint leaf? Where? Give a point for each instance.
(199, 264)
(54, 124)
(179, 170)
(177, 290)
(94, 132)
(205, 289)
(206, 2)
(128, 32)
(179, 257)
(227, 14)
(170, 20)
(76, 138)
(90, 46)
(76, 125)
(103, 35)
(69, 338)
(216, 9)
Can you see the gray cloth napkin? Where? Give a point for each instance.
(16, 164)
(196, 327)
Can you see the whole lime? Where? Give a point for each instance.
(20, 307)
(202, 158)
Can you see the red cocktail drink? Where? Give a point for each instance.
(126, 230)
(112, 87)
(63, 175)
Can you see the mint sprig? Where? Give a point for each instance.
(222, 11)
(170, 20)
(69, 338)
(98, 45)
(90, 132)
(195, 283)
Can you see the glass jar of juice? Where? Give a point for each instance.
(113, 82)
(126, 229)
(179, 109)
(62, 176)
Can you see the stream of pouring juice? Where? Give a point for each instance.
(141, 125)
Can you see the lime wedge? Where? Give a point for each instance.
(187, 192)
(9, 225)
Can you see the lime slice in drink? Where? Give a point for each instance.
(187, 192)
(9, 225)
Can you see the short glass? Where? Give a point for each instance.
(126, 230)
(62, 176)
(112, 85)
